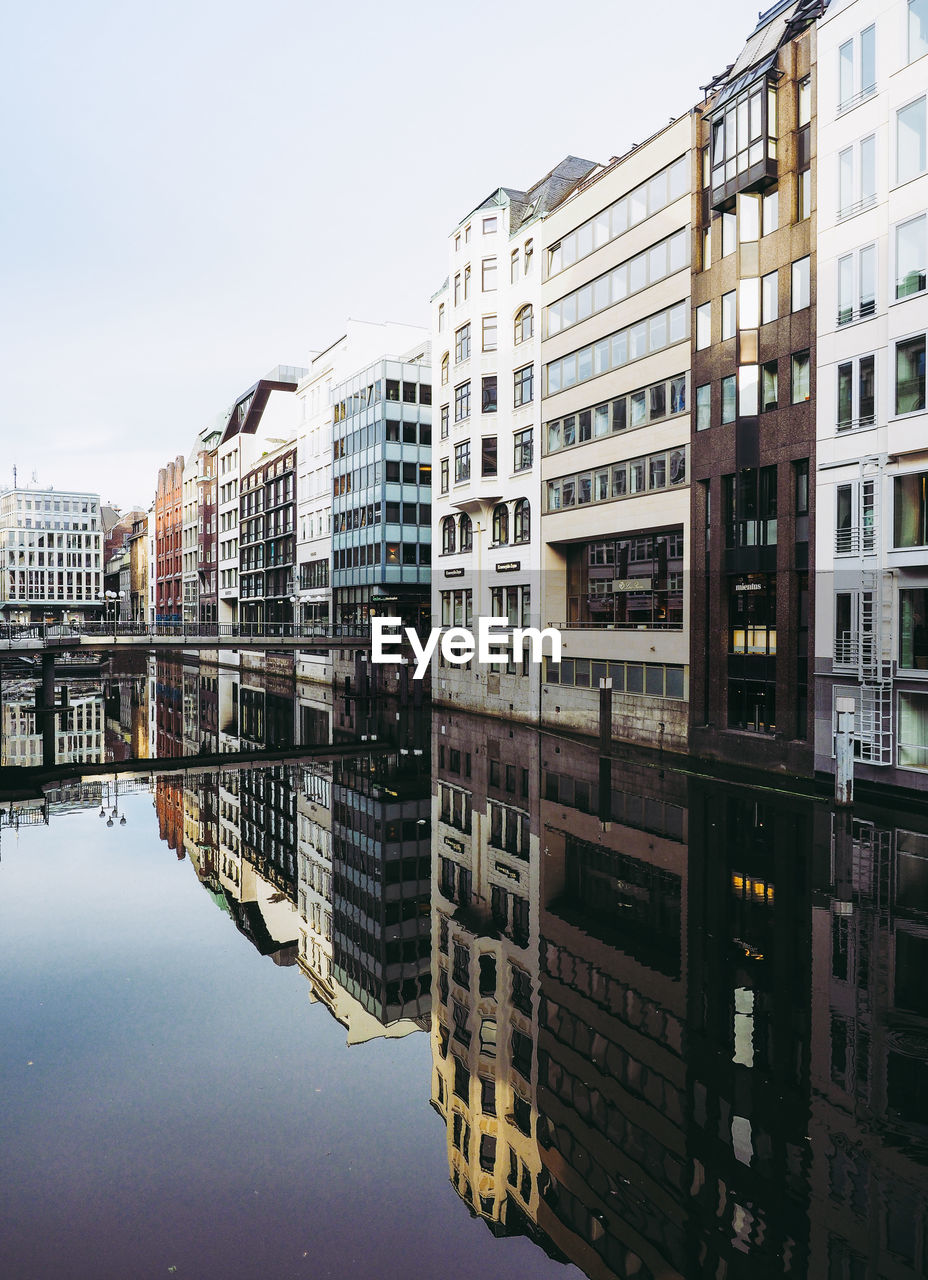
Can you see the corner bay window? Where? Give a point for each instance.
(633, 582)
(744, 138)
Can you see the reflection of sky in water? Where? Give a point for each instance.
(186, 1105)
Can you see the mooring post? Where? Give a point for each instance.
(605, 716)
(844, 751)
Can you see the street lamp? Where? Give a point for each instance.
(295, 600)
(115, 597)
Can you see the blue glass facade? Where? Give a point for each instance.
(382, 493)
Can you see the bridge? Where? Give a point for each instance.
(41, 638)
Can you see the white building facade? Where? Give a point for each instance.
(52, 546)
(486, 353)
(872, 427)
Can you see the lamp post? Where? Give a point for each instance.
(295, 601)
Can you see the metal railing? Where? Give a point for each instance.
(207, 631)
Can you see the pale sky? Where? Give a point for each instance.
(195, 192)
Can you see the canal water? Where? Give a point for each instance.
(459, 1000)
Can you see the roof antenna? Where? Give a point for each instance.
(14, 475)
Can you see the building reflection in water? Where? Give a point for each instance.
(678, 1028)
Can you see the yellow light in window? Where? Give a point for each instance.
(737, 883)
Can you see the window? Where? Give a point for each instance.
(857, 74)
(911, 256)
(457, 610)
(647, 199)
(857, 285)
(489, 226)
(444, 475)
(445, 418)
(522, 449)
(706, 248)
(523, 386)
(488, 394)
(462, 402)
(703, 407)
(466, 530)
(729, 233)
(800, 285)
(728, 399)
(462, 461)
(857, 177)
(488, 275)
(769, 388)
(856, 393)
(615, 350)
(467, 282)
(514, 267)
(488, 339)
(918, 29)
(448, 536)
(913, 628)
(488, 456)
(729, 307)
(910, 510)
(462, 344)
(910, 375)
(501, 524)
(804, 150)
(771, 212)
(744, 133)
(527, 253)
(441, 317)
(799, 377)
(652, 264)
(703, 326)
(910, 141)
(769, 291)
(913, 731)
(522, 521)
(523, 324)
(444, 368)
(457, 287)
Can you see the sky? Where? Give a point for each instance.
(197, 191)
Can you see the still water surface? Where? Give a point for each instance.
(478, 1004)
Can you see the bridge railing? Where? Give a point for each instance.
(209, 632)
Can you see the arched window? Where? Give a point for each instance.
(522, 521)
(444, 369)
(466, 533)
(447, 535)
(501, 524)
(524, 323)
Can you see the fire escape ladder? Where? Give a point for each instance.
(874, 625)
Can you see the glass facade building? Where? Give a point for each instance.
(382, 493)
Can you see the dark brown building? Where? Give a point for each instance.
(267, 540)
(753, 436)
(208, 541)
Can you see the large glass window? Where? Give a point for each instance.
(630, 582)
(800, 371)
(918, 29)
(856, 398)
(913, 730)
(913, 628)
(800, 284)
(742, 136)
(910, 141)
(703, 326)
(617, 349)
(729, 319)
(704, 407)
(911, 256)
(910, 375)
(769, 298)
(750, 508)
(910, 510)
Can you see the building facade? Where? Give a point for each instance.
(382, 492)
(267, 540)
(486, 345)
(872, 536)
(614, 442)
(52, 555)
(753, 425)
(169, 532)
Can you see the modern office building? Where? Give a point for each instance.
(51, 555)
(382, 492)
(267, 539)
(259, 420)
(361, 344)
(615, 427)
(486, 345)
(872, 447)
(753, 439)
